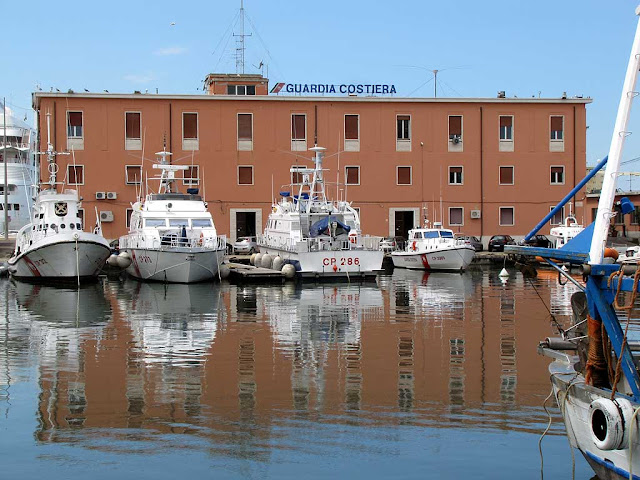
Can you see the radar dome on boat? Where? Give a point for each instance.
(285, 194)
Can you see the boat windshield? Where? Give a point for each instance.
(201, 222)
(178, 222)
(417, 235)
(446, 234)
(154, 222)
(431, 235)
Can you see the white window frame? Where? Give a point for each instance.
(126, 175)
(75, 142)
(551, 182)
(346, 176)
(513, 174)
(190, 143)
(403, 144)
(69, 166)
(462, 216)
(455, 147)
(238, 176)
(132, 143)
(551, 131)
(561, 216)
(192, 182)
(461, 182)
(513, 210)
(299, 144)
(75, 137)
(410, 175)
(244, 145)
(350, 144)
(500, 129)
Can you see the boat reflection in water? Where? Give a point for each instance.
(170, 323)
(253, 380)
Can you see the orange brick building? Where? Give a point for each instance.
(479, 165)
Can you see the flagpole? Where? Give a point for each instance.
(4, 160)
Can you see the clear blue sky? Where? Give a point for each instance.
(522, 47)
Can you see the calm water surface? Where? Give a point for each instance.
(417, 376)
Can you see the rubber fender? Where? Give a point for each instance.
(610, 423)
(611, 253)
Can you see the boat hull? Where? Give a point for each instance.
(574, 398)
(174, 265)
(55, 258)
(345, 264)
(454, 259)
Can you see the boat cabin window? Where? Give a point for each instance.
(154, 222)
(178, 222)
(445, 234)
(417, 235)
(431, 235)
(201, 222)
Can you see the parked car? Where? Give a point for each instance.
(471, 240)
(538, 241)
(245, 245)
(497, 242)
(389, 244)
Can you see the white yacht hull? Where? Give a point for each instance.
(174, 265)
(331, 263)
(56, 258)
(574, 398)
(454, 259)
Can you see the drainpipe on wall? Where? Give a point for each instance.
(481, 181)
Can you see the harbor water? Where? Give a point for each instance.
(416, 376)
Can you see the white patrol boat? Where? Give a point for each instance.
(171, 237)
(53, 246)
(319, 237)
(434, 249)
(564, 232)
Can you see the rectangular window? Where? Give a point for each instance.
(296, 177)
(557, 127)
(558, 217)
(298, 132)
(133, 174)
(456, 216)
(557, 175)
(506, 176)
(132, 126)
(74, 125)
(352, 175)
(455, 175)
(351, 130)
(75, 174)
(455, 128)
(245, 131)
(403, 176)
(618, 219)
(351, 133)
(241, 89)
(81, 217)
(635, 216)
(404, 122)
(594, 214)
(128, 215)
(506, 127)
(191, 175)
(506, 216)
(245, 175)
(189, 125)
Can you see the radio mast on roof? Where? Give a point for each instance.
(240, 42)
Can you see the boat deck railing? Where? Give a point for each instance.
(321, 244)
(172, 240)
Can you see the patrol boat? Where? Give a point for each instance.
(54, 246)
(318, 237)
(172, 237)
(434, 249)
(594, 373)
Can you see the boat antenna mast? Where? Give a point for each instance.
(607, 195)
(318, 179)
(52, 166)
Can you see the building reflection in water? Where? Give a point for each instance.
(216, 360)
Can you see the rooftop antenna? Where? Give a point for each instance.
(240, 42)
(435, 83)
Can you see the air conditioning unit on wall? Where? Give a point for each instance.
(100, 196)
(476, 213)
(112, 195)
(106, 216)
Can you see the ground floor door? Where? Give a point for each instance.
(245, 224)
(403, 222)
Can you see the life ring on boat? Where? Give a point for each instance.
(201, 241)
(610, 423)
(352, 238)
(414, 246)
